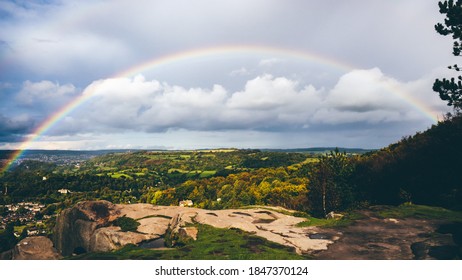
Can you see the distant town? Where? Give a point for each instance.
(24, 213)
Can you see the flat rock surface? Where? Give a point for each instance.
(370, 237)
(266, 223)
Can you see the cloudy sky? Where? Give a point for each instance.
(182, 74)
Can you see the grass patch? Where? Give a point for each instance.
(177, 170)
(19, 229)
(117, 175)
(106, 168)
(421, 212)
(331, 223)
(212, 244)
(207, 173)
(193, 173)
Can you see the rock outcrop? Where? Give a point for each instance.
(76, 226)
(177, 230)
(188, 232)
(35, 248)
(87, 227)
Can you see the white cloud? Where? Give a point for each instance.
(371, 96)
(266, 103)
(44, 91)
(364, 90)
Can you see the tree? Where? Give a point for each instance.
(330, 186)
(450, 90)
(7, 238)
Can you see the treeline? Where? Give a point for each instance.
(424, 169)
(196, 160)
(265, 186)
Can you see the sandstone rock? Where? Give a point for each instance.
(176, 232)
(87, 226)
(35, 248)
(188, 232)
(111, 238)
(75, 226)
(154, 225)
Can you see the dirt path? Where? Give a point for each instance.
(376, 238)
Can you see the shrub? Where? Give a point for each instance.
(126, 223)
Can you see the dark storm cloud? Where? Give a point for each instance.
(14, 129)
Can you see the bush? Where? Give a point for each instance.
(126, 223)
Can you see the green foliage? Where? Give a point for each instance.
(7, 238)
(4, 211)
(450, 90)
(452, 23)
(125, 177)
(330, 185)
(126, 223)
(422, 212)
(23, 233)
(316, 222)
(264, 186)
(422, 169)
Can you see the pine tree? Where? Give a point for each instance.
(450, 90)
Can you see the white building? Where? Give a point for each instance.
(186, 203)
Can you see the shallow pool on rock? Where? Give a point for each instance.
(153, 244)
(320, 236)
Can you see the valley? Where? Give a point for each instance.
(308, 204)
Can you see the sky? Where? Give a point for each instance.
(181, 74)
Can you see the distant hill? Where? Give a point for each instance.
(6, 154)
(322, 150)
(31, 154)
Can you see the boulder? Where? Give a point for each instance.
(111, 238)
(75, 226)
(35, 248)
(178, 232)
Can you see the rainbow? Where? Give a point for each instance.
(201, 53)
